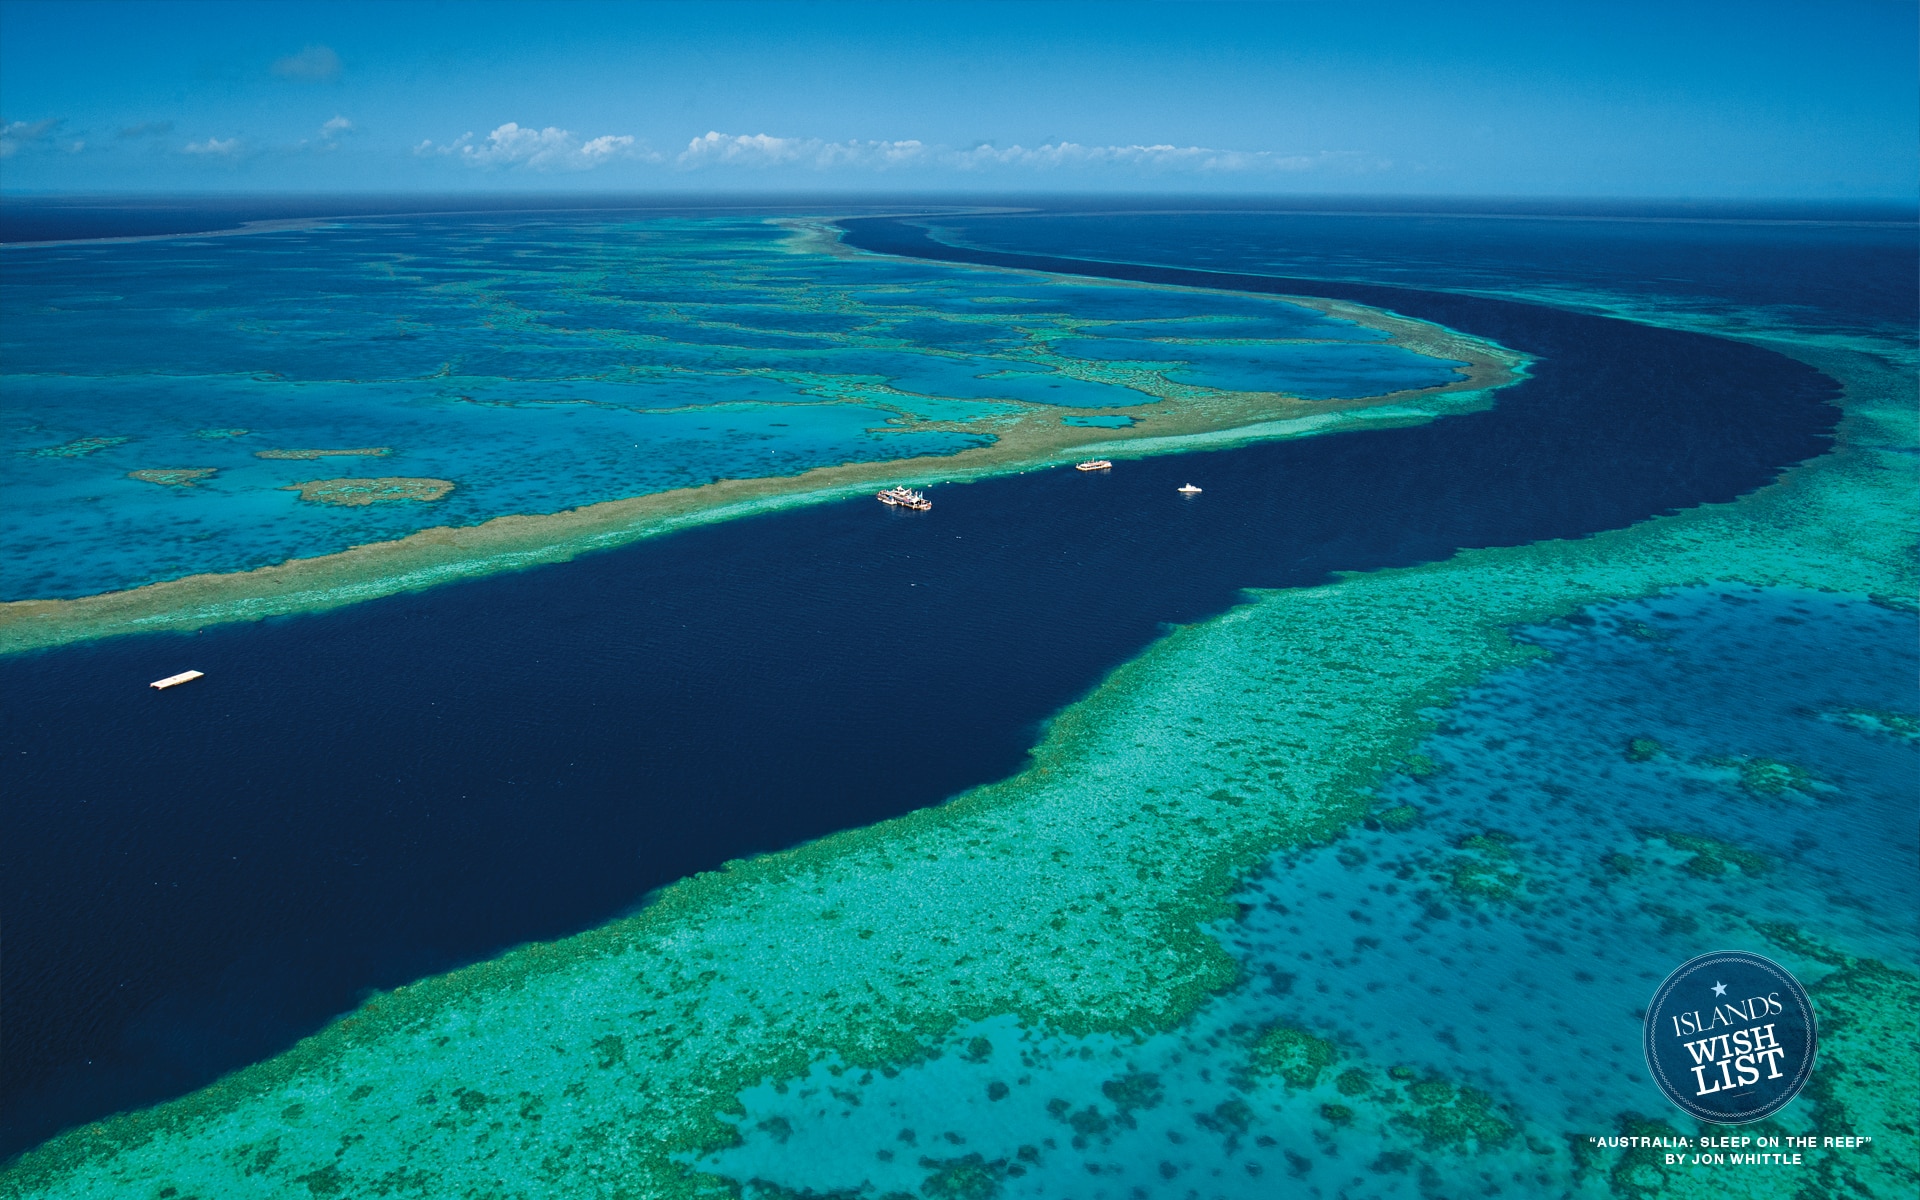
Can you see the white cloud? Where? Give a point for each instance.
(314, 64)
(16, 136)
(328, 139)
(513, 146)
(549, 149)
(761, 150)
(214, 147)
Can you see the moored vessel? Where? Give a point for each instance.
(176, 680)
(1094, 464)
(902, 497)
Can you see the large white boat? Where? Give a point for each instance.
(1094, 464)
(1187, 489)
(901, 497)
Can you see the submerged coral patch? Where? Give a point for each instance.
(304, 455)
(1899, 726)
(383, 490)
(173, 476)
(79, 447)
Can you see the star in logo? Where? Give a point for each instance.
(1719, 989)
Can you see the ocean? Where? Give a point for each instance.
(354, 799)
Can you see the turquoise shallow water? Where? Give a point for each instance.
(537, 364)
(1482, 950)
(1318, 371)
(505, 457)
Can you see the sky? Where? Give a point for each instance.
(1749, 100)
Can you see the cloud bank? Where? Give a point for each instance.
(16, 136)
(517, 147)
(760, 150)
(549, 149)
(715, 149)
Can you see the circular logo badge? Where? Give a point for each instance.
(1731, 1037)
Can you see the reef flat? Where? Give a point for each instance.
(1073, 900)
(354, 491)
(173, 476)
(306, 455)
(641, 375)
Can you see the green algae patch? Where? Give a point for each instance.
(1397, 819)
(79, 447)
(972, 1177)
(1076, 895)
(1487, 869)
(1710, 858)
(385, 489)
(1133, 1090)
(1879, 722)
(1353, 1082)
(1620, 864)
(1642, 749)
(1767, 778)
(1294, 1055)
(1445, 1117)
(1419, 766)
(181, 477)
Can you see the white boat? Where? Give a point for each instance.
(1187, 489)
(1094, 464)
(176, 680)
(902, 497)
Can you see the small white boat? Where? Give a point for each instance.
(1187, 489)
(176, 680)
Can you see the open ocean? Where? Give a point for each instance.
(349, 801)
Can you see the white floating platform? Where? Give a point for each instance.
(176, 680)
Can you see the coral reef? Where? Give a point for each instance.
(304, 455)
(382, 490)
(173, 476)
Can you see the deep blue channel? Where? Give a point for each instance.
(194, 879)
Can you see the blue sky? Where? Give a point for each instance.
(1673, 99)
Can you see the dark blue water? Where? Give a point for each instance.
(193, 879)
(1834, 268)
(86, 217)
